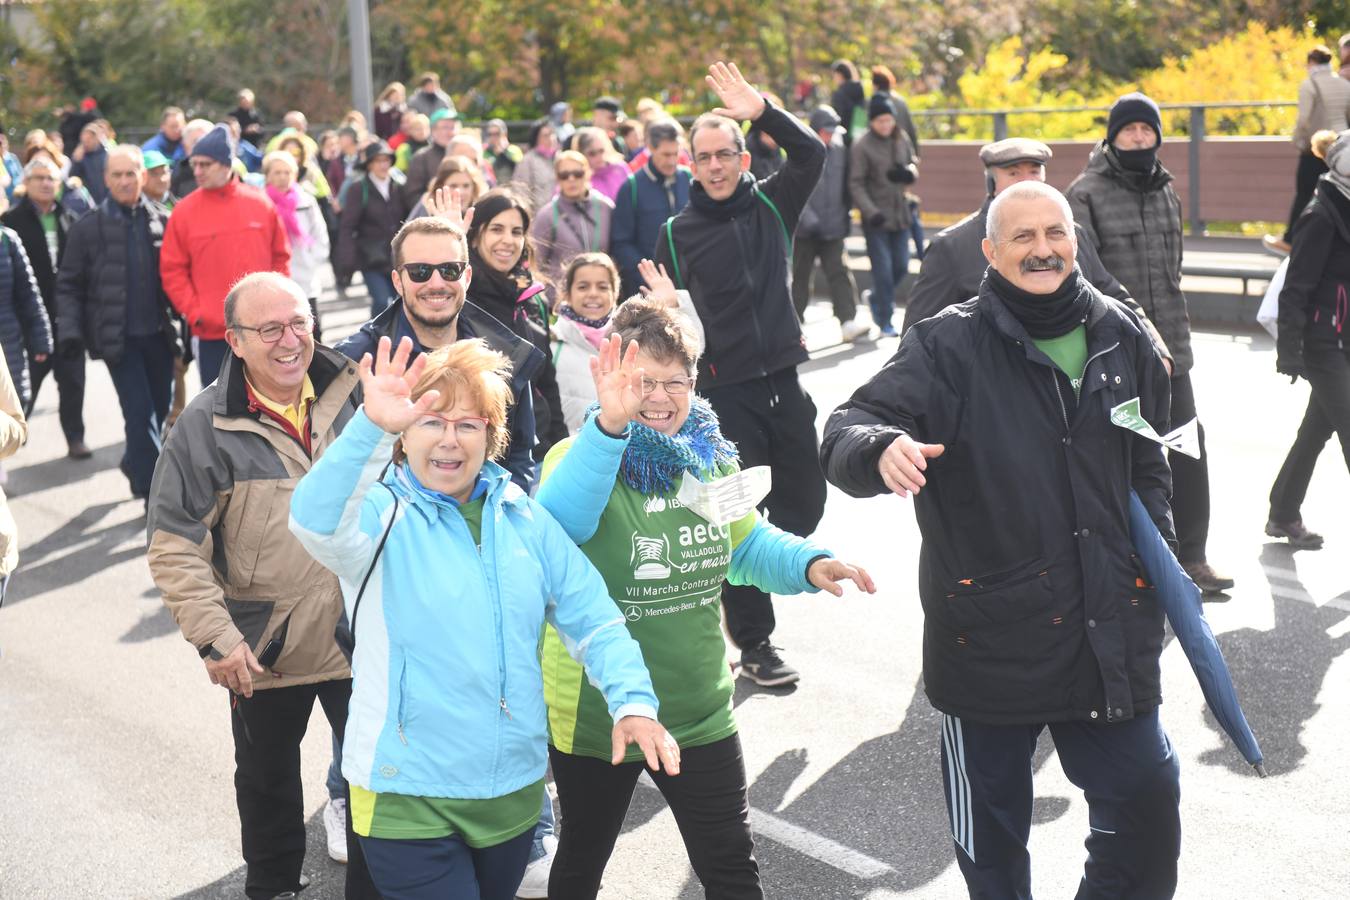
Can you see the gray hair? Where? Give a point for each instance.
(257, 281)
(41, 162)
(712, 120)
(131, 152)
(662, 131)
(1023, 190)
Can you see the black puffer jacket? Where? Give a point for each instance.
(732, 257)
(1316, 296)
(1032, 611)
(24, 326)
(91, 290)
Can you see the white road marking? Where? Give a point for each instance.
(808, 843)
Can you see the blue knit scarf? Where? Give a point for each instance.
(653, 462)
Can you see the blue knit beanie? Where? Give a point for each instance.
(215, 145)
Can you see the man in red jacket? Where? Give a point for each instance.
(216, 236)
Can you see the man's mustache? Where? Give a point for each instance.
(1052, 263)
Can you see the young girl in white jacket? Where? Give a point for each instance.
(587, 298)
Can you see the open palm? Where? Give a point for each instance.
(618, 384)
(660, 288)
(387, 383)
(739, 98)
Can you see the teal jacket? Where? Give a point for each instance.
(447, 698)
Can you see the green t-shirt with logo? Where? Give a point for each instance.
(1068, 352)
(48, 220)
(664, 566)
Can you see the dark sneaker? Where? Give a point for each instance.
(762, 665)
(1299, 536)
(1206, 579)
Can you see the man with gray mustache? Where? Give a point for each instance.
(995, 416)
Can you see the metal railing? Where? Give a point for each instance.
(1196, 132)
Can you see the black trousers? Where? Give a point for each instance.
(710, 802)
(1128, 773)
(805, 252)
(772, 422)
(1310, 168)
(69, 374)
(1190, 480)
(268, 728)
(1328, 373)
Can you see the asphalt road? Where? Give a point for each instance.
(116, 757)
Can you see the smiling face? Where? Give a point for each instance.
(502, 241)
(276, 370)
(593, 292)
(434, 303)
(661, 410)
(157, 181)
(1035, 246)
(41, 182)
(717, 163)
(444, 457)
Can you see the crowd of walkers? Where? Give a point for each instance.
(498, 532)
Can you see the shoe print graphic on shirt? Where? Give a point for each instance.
(651, 558)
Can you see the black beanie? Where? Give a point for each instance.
(880, 105)
(1134, 107)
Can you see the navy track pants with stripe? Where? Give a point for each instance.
(1126, 770)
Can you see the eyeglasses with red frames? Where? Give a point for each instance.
(465, 427)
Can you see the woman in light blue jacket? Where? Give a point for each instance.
(449, 573)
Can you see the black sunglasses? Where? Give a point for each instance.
(421, 272)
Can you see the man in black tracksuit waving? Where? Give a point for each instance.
(995, 415)
(730, 248)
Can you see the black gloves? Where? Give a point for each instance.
(876, 220)
(898, 174)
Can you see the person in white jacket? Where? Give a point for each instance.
(587, 297)
(304, 223)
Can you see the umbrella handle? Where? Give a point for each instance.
(1260, 769)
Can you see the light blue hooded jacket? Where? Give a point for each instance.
(447, 698)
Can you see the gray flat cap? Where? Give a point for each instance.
(1014, 150)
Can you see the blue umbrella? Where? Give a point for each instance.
(1181, 601)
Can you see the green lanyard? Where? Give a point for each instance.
(595, 221)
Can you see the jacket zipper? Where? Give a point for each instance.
(1082, 379)
(754, 313)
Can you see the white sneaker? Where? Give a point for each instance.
(335, 823)
(535, 883)
(853, 330)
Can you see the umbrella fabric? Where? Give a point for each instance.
(1181, 601)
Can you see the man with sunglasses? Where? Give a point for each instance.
(256, 607)
(730, 248)
(431, 277)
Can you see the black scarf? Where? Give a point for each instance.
(1045, 315)
(1138, 161)
(723, 210)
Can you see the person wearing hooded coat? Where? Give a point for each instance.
(1311, 340)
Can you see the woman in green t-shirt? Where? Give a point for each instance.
(615, 487)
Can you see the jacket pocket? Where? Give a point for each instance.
(251, 618)
(1000, 642)
(246, 528)
(401, 722)
(1143, 617)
